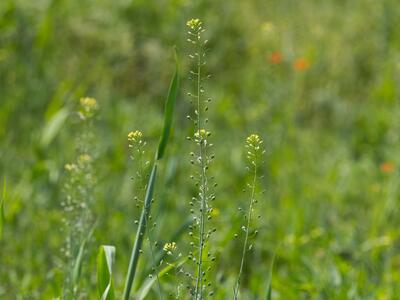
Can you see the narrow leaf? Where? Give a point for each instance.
(140, 234)
(53, 126)
(79, 258)
(269, 282)
(168, 115)
(169, 111)
(105, 261)
(150, 282)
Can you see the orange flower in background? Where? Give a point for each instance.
(275, 58)
(386, 167)
(301, 64)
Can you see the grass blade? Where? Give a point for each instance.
(53, 126)
(79, 258)
(269, 282)
(140, 234)
(105, 261)
(3, 199)
(150, 282)
(168, 116)
(169, 111)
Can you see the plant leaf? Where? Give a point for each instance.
(145, 289)
(79, 258)
(105, 261)
(269, 282)
(140, 234)
(169, 111)
(53, 126)
(168, 115)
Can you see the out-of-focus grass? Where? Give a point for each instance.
(318, 79)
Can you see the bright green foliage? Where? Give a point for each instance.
(105, 262)
(169, 111)
(318, 80)
(137, 246)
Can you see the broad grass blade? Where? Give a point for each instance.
(140, 234)
(169, 111)
(150, 282)
(79, 258)
(105, 261)
(168, 116)
(53, 126)
(269, 282)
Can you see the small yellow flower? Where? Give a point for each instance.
(70, 167)
(88, 103)
(201, 134)
(255, 149)
(84, 158)
(135, 136)
(253, 139)
(169, 248)
(88, 107)
(194, 24)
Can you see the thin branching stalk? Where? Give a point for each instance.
(137, 145)
(199, 290)
(202, 159)
(254, 153)
(79, 185)
(244, 250)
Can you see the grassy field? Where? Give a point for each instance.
(317, 81)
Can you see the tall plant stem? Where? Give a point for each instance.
(236, 292)
(140, 234)
(199, 277)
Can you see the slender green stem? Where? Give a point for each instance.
(153, 260)
(249, 214)
(199, 277)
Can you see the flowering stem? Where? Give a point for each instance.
(199, 277)
(249, 213)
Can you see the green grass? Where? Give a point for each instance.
(327, 111)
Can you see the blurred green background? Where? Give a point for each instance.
(318, 80)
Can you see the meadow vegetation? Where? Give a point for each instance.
(130, 170)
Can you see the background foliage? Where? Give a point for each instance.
(318, 80)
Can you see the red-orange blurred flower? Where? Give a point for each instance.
(301, 64)
(386, 167)
(275, 58)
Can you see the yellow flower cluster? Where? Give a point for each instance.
(70, 167)
(169, 248)
(194, 24)
(254, 141)
(135, 136)
(88, 107)
(255, 149)
(88, 103)
(84, 158)
(201, 134)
